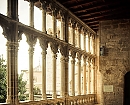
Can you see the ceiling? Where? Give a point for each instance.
(92, 12)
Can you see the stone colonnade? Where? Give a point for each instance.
(13, 34)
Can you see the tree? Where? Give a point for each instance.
(22, 88)
(3, 83)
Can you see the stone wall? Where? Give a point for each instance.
(115, 63)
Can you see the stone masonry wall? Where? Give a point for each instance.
(115, 37)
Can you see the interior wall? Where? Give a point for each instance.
(114, 61)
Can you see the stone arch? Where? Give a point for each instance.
(127, 89)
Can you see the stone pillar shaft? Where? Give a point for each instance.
(31, 14)
(12, 73)
(79, 44)
(84, 77)
(88, 81)
(44, 20)
(54, 23)
(73, 77)
(43, 74)
(85, 41)
(62, 29)
(79, 77)
(92, 78)
(62, 94)
(54, 76)
(88, 42)
(73, 34)
(31, 49)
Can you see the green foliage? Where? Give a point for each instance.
(3, 86)
(36, 90)
(22, 88)
(3, 83)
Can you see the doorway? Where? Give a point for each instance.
(127, 89)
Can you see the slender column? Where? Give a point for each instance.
(88, 81)
(73, 75)
(93, 40)
(92, 76)
(62, 92)
(85, 41)
(66, 76)
(12, 73)
(73, 34)
(43, 74)
(88, 42)
(43, 18)
(79, 74)
(31, 51)
(54, 76)
(79, 43)
(84, 75)
(54, 23)
(31, 14)
(62, 29)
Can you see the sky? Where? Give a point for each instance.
(23, 12)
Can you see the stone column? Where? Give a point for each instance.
(12, 73)
(44, 45)
(79, 40)
(54, 76)
(93, 40)
(73, 74)
(79, 73)
(54, 23)
(31, 14)
(62, 91)
(43, 74)
(88, 42)
(43, 17)
(85, 41)
(31, 51)
(92, 76)
(84, 75)
(88, 80)
(72, 34)
(31, 40)
(62, 29)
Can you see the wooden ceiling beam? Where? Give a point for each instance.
(102, 11)
(94, 7)
(84, 3)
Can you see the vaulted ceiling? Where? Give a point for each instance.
(92, 12)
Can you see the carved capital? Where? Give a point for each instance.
(79, 55)
(73, 61)
(12, 45)
(64, 50)
(31, 50)
(43, 43)
(73, 54)
(31, 39)
(54, 47)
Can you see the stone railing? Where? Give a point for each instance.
(71, 100)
